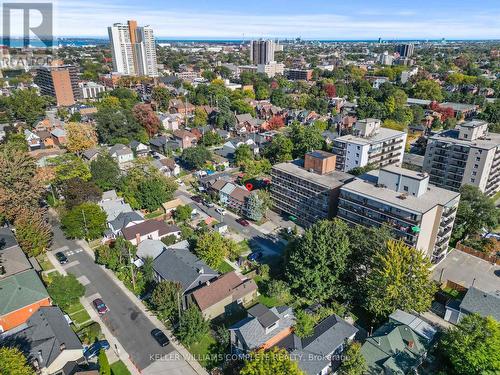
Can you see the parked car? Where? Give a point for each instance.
(242, 222)
(160, 337)
(93, 350)
(197, 199)
(100, 306)
(220, 211)
(208, 203)
(255, 256)
(61, 258)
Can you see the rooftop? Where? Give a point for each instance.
(383, 134)
(366, 186)
(482, 303)
(492, 140)
(20, 290)
(330, 180)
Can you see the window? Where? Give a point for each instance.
(476, 166)
(405, 188)
(478, 159)
(357, 155)
(472, 180)
(474, 173)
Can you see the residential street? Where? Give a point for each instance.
(125, 320)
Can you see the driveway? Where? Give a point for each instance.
(127, 323)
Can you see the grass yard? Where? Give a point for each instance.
(225, 268)
(203, 350)
(119, 368)
(154, 214)
(45, 263)
(268, 301)
(78, 314)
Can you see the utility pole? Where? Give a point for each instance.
(85, 224)
(179, 306)
(131, 266)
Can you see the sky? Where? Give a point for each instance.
(308, 19)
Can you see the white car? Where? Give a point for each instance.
(220, 211)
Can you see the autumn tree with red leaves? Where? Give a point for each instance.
(446, 112)
(331, 90)
(145, 116)
(275, 123)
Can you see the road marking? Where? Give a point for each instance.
(78, 251)
(61, 249)
(71, 264)
(83, 280)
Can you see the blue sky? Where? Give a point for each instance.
(313, 19)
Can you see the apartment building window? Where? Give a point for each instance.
(474, 173)
(478, 159)
(405, 188)
(357, 155)
(472, 180)
(476, 166)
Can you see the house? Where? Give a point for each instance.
(21, 294)
(163, 144)
(150, 249)
(178, 264)
(46, 139)
(46, 340)
(475, 301)
(59, 136)
(231, 145)
(91, 154)
(33, 140)
(181, 107)
(245, 123)
(221, 228)
(321, 352)
(170, 206)
(399, 346)
(184, 138)
(12, 258)
(124, 220)
(149, 229)
(262, 328)
(237, 200)
(170, 121)
(140, 149)
(113, 205)
(224, 294)
(167, 166)
(122, 154)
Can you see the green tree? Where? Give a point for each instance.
(183, 213)
(280, 149)
(195, 157)
(354, 363)
(242, 154)
(225, 116)
(192, 326)
(400, 279)
(27, 105)
(241, 106)
(212, 248)
(305, 139)
(148, 271)
(154, 191)
(475, 212)
(65, 290)
(315, 261)
(104, 368)
(105, 172)
(32, 231)
(275, 361)
(304, 324)
(13, 362)
(473, 346)
(200, 117)
(278, 289)
(161, 96)
(254, 207)
(84, 221)
(211, 138)
(428, 89)
(166, 298)
(70, 166)
(116, 123)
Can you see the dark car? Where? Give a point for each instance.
(160, 337)
(254, 257)
(197, 199)
(100, 306)
(243, 222)
(94, 349)
(61, 258)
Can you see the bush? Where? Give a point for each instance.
(65, 290)
(90, 333)
(278, 289)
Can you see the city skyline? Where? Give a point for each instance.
(360, 19)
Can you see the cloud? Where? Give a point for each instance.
(91, 18)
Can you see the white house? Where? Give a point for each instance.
(170, 121)
(123, 155)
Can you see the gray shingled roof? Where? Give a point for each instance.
(482, 303)
(123, 219)
(46, 331)
(178, 264)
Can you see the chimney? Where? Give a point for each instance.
(201, 271)
(40, 358)
(411, 344)
(138, 238)
(62, 347)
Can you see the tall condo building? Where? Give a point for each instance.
(405, 50)
(60, 82)
(468, 155)
(134, 49)
(262, 51)
(370, 144)
(307, 190)
(420, 214)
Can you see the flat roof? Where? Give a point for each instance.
(365, 186)
(406, 172)
(330, 180)
(492, 140)
(382, 135)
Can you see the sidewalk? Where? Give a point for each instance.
(116, 351)
(184, 353)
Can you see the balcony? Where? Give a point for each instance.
(449, 211)
(445, 231)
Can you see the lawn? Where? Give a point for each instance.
(119, 368)
(204, 349)
(154, 214)
(45, 263)
(225, 268)
(78, 314)
(265, 300)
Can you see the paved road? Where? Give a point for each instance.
(256, 237)
(127, 323)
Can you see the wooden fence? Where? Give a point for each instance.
(495, 259)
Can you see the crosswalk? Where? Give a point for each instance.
(67, 251)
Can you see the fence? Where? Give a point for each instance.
(495, 259)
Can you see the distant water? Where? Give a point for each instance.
(82, 42)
